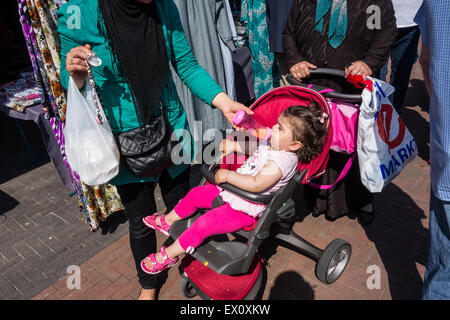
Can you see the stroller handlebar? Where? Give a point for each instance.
(353, 98)
(328, 72)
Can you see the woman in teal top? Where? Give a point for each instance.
(136, 40)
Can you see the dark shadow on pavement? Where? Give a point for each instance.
(420, 130)
(7, 202)
(416, 123)
(16, 158)
(417, 95)
(401, 241)
(291, 286)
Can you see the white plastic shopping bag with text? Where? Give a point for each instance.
(384, 144)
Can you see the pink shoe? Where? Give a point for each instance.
(150, 221)
(157, 267)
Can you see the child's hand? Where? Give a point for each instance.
(221, 176)
(228, 146)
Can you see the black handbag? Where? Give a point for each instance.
(147, 150)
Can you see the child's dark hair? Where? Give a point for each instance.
(309, 126)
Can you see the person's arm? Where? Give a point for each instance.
(289, 37)
(379, 50)
(425, 64)
(73, 53)
(193, 75)
(425, 53)
(266, 178)
(297, 64)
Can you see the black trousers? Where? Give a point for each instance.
(139, 201)
(348, 196)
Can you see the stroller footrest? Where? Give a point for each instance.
(224, 257)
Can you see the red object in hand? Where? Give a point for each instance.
(359, 82)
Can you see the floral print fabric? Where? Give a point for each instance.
(39, 25)
(265, 72)
(101, 201)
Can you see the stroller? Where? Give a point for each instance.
(224, 269)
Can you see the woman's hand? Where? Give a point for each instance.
(76, 64)
(358, 68)
(221, 176)
(229, 107)
(301, 70)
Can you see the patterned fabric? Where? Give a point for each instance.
(432, 19)
(101, 201)
(28, 34)
(47, 49)
(39, 25)
(265, 72)
(338, 20)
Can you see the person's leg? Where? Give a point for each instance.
(173, 190)
(138, 200)
(220, 220)
(436, 285)
(358, 198)
(200, 197)
(403, 57)
(384, 70)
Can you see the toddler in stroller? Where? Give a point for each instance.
(299, 135)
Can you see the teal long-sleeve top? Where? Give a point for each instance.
(78, 24)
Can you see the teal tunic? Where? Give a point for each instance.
(114, 90)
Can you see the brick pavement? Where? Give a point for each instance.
(41, 232)
(396, 242)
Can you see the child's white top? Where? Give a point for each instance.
(286, 161)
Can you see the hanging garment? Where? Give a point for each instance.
(265, 72)
(201, 21)
(227, 47)
(39, 25)
(25, 22)
(101, 202)
(46, 48)
(242, 61)
(278, 13)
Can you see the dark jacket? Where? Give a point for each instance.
(302, 42)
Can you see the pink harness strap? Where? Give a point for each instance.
(347, 167)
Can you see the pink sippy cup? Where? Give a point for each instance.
(242, 119)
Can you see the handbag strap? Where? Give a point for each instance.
(341, 176)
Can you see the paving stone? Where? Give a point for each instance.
(19, 281)
(7, 289)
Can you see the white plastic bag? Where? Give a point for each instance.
(384, 144)
(90, 147)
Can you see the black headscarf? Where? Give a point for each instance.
(136, 38)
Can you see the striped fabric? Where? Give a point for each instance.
(433, 21)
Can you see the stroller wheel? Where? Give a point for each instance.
(333, 261)
(187, 289)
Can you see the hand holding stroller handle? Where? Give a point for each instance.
(257, 198)
(352, 98)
